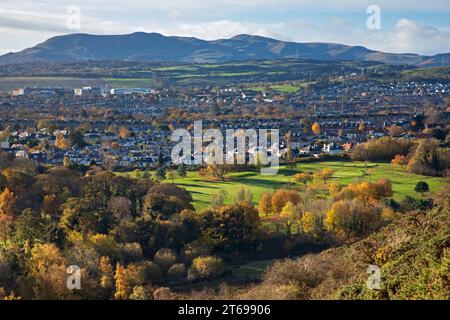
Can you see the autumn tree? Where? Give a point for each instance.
(243, 194)
(218, 170)
(106, 273)
(316, 129)
(66, 162)
(208, 267)
(348, 219)
(311, 223)
(325, 174)
(399, 160)
(290, 215)
(61, 142)
(303, 178)
(265, 204)
(429, 158)
(122, 287)
(7, 202)
(124, 132)
(281, 197)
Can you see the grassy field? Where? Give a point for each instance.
(283, 87)
(11, 83)
(131, 82)
(345, 173)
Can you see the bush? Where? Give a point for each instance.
(165, 258)
(131, 252)
(194, 250)
(152, 272)
(177, 271)
(209, 267)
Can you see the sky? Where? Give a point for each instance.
(415, 26)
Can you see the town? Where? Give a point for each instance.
(130, 128)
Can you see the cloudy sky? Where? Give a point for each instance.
(416, 26)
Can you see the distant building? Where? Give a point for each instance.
(126, 91)
(87, 91)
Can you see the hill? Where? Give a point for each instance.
(412, 254)
(142, 46)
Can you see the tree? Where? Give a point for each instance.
(429, 159)
(218, 199)
(288, 138)
(165, 258)
(422, 187)
(124, 133)
(316, 128)
(352, 218)
(160, 173)
(171, 175)
(265, 204)
(289, 214)
(303, 178)
(399, 160)
(208, 267)
(66, 162)
(7, 202)
(311, 223)
(362, 126)
(324, 174)
(230, 227)
(218, 170)
(61, 142)
(121, 284)
(281, 197)
(181, 171)
(106, 273)
(243, 194)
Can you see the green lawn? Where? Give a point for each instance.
(345, 172)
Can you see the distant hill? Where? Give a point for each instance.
(142, 46)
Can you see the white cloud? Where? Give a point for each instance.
(412, 36)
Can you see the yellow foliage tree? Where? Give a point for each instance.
(7, 202)
(316, 128)
(399, 160)
(124, 132)
(325, 174)
(61, 142)
(106, 271)
(122, 287)
(290, 215)
(303, 178)
(265, 204)
(281, 197)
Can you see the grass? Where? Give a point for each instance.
(345, 172)
(131, 82)
(283, 87)
(250, 271)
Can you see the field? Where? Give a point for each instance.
(345, 172)
(12, 83)
(283, 75)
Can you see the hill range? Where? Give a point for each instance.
(142, 46)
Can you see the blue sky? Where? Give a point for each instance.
(406, 26)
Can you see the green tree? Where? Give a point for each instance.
(422, 187)
(181, 171)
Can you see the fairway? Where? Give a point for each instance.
(403, 183)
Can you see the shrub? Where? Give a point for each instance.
(165, 258)
(152, 272)
(209, 267)
(177, 271)
(194, 250)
